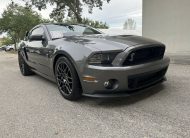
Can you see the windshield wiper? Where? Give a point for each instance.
(58, 38)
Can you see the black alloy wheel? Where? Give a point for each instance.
(67, 79)
(64, 78)
(24, 68)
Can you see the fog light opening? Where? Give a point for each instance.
(111, 84)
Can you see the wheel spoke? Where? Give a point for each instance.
(70, 82)
(64, 78)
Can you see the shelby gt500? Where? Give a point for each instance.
(84, 61)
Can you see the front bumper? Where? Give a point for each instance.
(124, 77)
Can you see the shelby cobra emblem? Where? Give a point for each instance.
(132, 57)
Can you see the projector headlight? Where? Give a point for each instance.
(102, 59)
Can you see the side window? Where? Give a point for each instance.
(89, 31)
(37, 31)
(26, 36)
(37, 34)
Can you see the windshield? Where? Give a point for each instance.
(59, 31)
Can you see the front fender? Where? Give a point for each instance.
(22, 52)
(58, 54)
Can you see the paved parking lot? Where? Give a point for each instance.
(32, 107)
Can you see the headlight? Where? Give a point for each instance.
(104, 59)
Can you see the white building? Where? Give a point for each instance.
(168, 21)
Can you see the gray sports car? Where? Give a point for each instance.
(84, 61)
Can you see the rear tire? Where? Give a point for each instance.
(67, 79)
(11, 50)
(24, 68)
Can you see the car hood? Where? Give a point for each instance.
(109, 43)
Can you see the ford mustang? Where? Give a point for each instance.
(84, 61)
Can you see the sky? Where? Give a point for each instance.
(114, 14)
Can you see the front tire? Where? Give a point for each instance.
(67, 79)
(24, 68)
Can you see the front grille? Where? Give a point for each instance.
(144, 55)
(143, 80)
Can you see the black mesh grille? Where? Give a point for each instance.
(144, 55)
(142, 80)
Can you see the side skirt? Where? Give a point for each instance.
(44, 76)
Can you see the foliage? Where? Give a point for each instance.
(64, 8)
(130, 24)
(16, 20)
(6, 41)
(86, 21)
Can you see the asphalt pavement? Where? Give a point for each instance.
(32, 107)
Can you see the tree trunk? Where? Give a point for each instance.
(15, 46)
(14, 40)
(78, 17)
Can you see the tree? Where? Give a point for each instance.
(86, 21)
(130, 24)
(16, 20)
(73, 8)
(7, 41)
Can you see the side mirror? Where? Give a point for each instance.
(37, 38)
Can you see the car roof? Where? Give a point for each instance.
(64, 24)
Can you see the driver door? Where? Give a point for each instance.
(37, 51)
